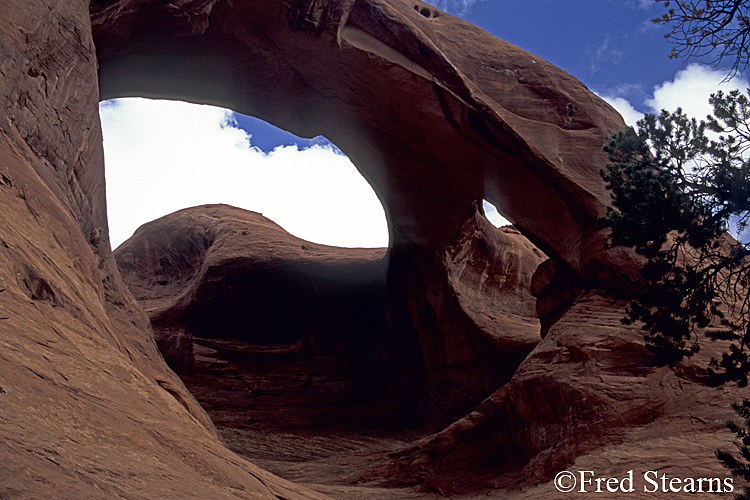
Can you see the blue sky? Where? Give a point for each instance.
(161, 157)
(609, 45)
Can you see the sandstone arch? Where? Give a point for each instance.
(88, 407)
(431, 125)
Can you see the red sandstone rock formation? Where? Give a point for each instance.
(232, 296)
(436, 114)
(586, 398)
(432, 126)
(588, 386)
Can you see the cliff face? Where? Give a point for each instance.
(88, 408)
(436, 114)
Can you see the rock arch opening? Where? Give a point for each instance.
(162, 156)
(431, 126)
(493, 215)
(432, 129)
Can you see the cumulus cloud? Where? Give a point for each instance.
(689, 90)
(163, 156)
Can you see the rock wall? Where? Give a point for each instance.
(551, 404)
(88, 408)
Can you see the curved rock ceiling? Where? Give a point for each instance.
(433, 111)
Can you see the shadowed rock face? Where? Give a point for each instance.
(586, 398)
(436, 114)
(234, 297)
(231, 295)
(88, 408)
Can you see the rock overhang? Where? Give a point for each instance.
(431, 124)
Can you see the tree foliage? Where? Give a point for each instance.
(739, 466)
(704, 194)
(718, 29)
(677, 186)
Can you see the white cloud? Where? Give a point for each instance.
(458, 7)
(691, 89)
(623, 106)
(162, 156)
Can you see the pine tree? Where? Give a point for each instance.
(739, 466)
(675, 193)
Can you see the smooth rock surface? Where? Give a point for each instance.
(88, 408)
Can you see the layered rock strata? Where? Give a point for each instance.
(586, 398)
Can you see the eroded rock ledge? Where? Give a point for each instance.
(314, 354)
